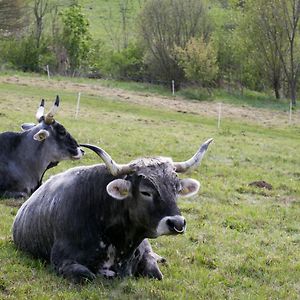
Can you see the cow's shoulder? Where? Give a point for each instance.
(9, 141)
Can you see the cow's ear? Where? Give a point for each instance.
(119, 189)
(189, 187)
(27, 126)
(41, 135)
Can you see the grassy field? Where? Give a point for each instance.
(242, 242)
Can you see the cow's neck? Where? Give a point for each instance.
(122, 232)
(34, 161)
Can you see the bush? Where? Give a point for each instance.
(198, 60)
(125, 64)
(23, 54)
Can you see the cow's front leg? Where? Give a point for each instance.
(146, 261)
(63, 259)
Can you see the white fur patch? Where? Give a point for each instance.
(111, 255)
(78, 155)
(102, 245)
(107, 273)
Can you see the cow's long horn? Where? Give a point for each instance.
(193, 162)
(114, 168)
(49, 118)
(40, 111)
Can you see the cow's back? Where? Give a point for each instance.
(53, 211)
(9, 172)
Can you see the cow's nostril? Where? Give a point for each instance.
(170, 223)
(176, 225)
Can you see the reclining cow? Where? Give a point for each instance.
(96, 219)
(25, 156)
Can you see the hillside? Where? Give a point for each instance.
(106, 18)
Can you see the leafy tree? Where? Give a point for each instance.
(272, 31)
(76, 36)
(125, 64)
(198, 60)
(165, 24)
(287, 13)
(225, 19)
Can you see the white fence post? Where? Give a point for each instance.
(173, 87)
(48, 71)
(78, 104)
(219, 115)
(290, 113)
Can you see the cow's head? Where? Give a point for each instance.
(150, 187)
(52, 136)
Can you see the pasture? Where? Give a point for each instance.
(242, 242)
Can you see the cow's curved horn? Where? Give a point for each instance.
(49, 118)
(114, 168)
(193, 162)
(40, 111)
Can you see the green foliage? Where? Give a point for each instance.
(23, 54)
(196, 93)
(198, 60)
(164, 25)
(76, 37)
(127, 63)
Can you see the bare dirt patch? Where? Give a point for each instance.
(261, 184)
(178, 104)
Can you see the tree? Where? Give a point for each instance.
(287, 13)
(259, 47)
(277, 34)
(40, 8)
(76, 36)
(165, 24)
(198, 60)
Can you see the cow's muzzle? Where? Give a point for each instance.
(79, 154)
(171, 225)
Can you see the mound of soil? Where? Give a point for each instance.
(261, 184)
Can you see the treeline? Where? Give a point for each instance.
(233, 43)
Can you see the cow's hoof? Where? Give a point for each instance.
(107, 273)
(154, 273)
(78, 273)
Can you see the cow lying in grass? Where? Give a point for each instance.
(25, 156)
(96, 219)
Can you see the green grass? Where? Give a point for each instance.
(249, 98)
(242, 242)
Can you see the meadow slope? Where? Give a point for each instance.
(242, 242)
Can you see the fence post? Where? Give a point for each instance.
(290, 113)
(173, 87)
(48, 71)
(78, 104)
(219, 114)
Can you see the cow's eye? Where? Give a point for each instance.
(146, 194)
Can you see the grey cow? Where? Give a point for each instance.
(96, 219)
(25, 156)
